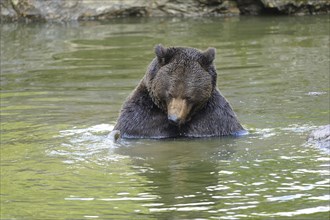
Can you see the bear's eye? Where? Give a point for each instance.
(168, 94)
(188, 98)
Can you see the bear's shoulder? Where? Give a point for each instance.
(217, 118)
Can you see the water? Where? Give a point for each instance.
(62, 86)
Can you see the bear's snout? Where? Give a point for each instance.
(173, 119)
(177, 111)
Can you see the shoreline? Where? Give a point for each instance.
(103, 10)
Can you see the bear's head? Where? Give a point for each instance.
(180, 81)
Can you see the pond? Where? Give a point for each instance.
(62, 86)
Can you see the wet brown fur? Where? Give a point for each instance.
(178, 97)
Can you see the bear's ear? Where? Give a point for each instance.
(208, 57)
(163, 54)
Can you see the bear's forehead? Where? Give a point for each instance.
(187, 53)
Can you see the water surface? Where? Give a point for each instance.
(62, 86)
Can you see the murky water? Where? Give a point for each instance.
(62, 86)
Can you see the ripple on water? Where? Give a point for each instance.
(96, 130)
(234, 196)
(83, 144)
(298, 212)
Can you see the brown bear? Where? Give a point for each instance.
(178, 97)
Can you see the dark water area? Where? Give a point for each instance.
(62, 86)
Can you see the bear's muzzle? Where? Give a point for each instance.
(178, 110)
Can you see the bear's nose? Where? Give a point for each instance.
(173, 119)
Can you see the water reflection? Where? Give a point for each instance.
(207, 177)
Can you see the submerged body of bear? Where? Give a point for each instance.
(178, 97)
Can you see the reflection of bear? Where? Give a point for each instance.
(178, 98)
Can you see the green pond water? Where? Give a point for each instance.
(62, 86)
